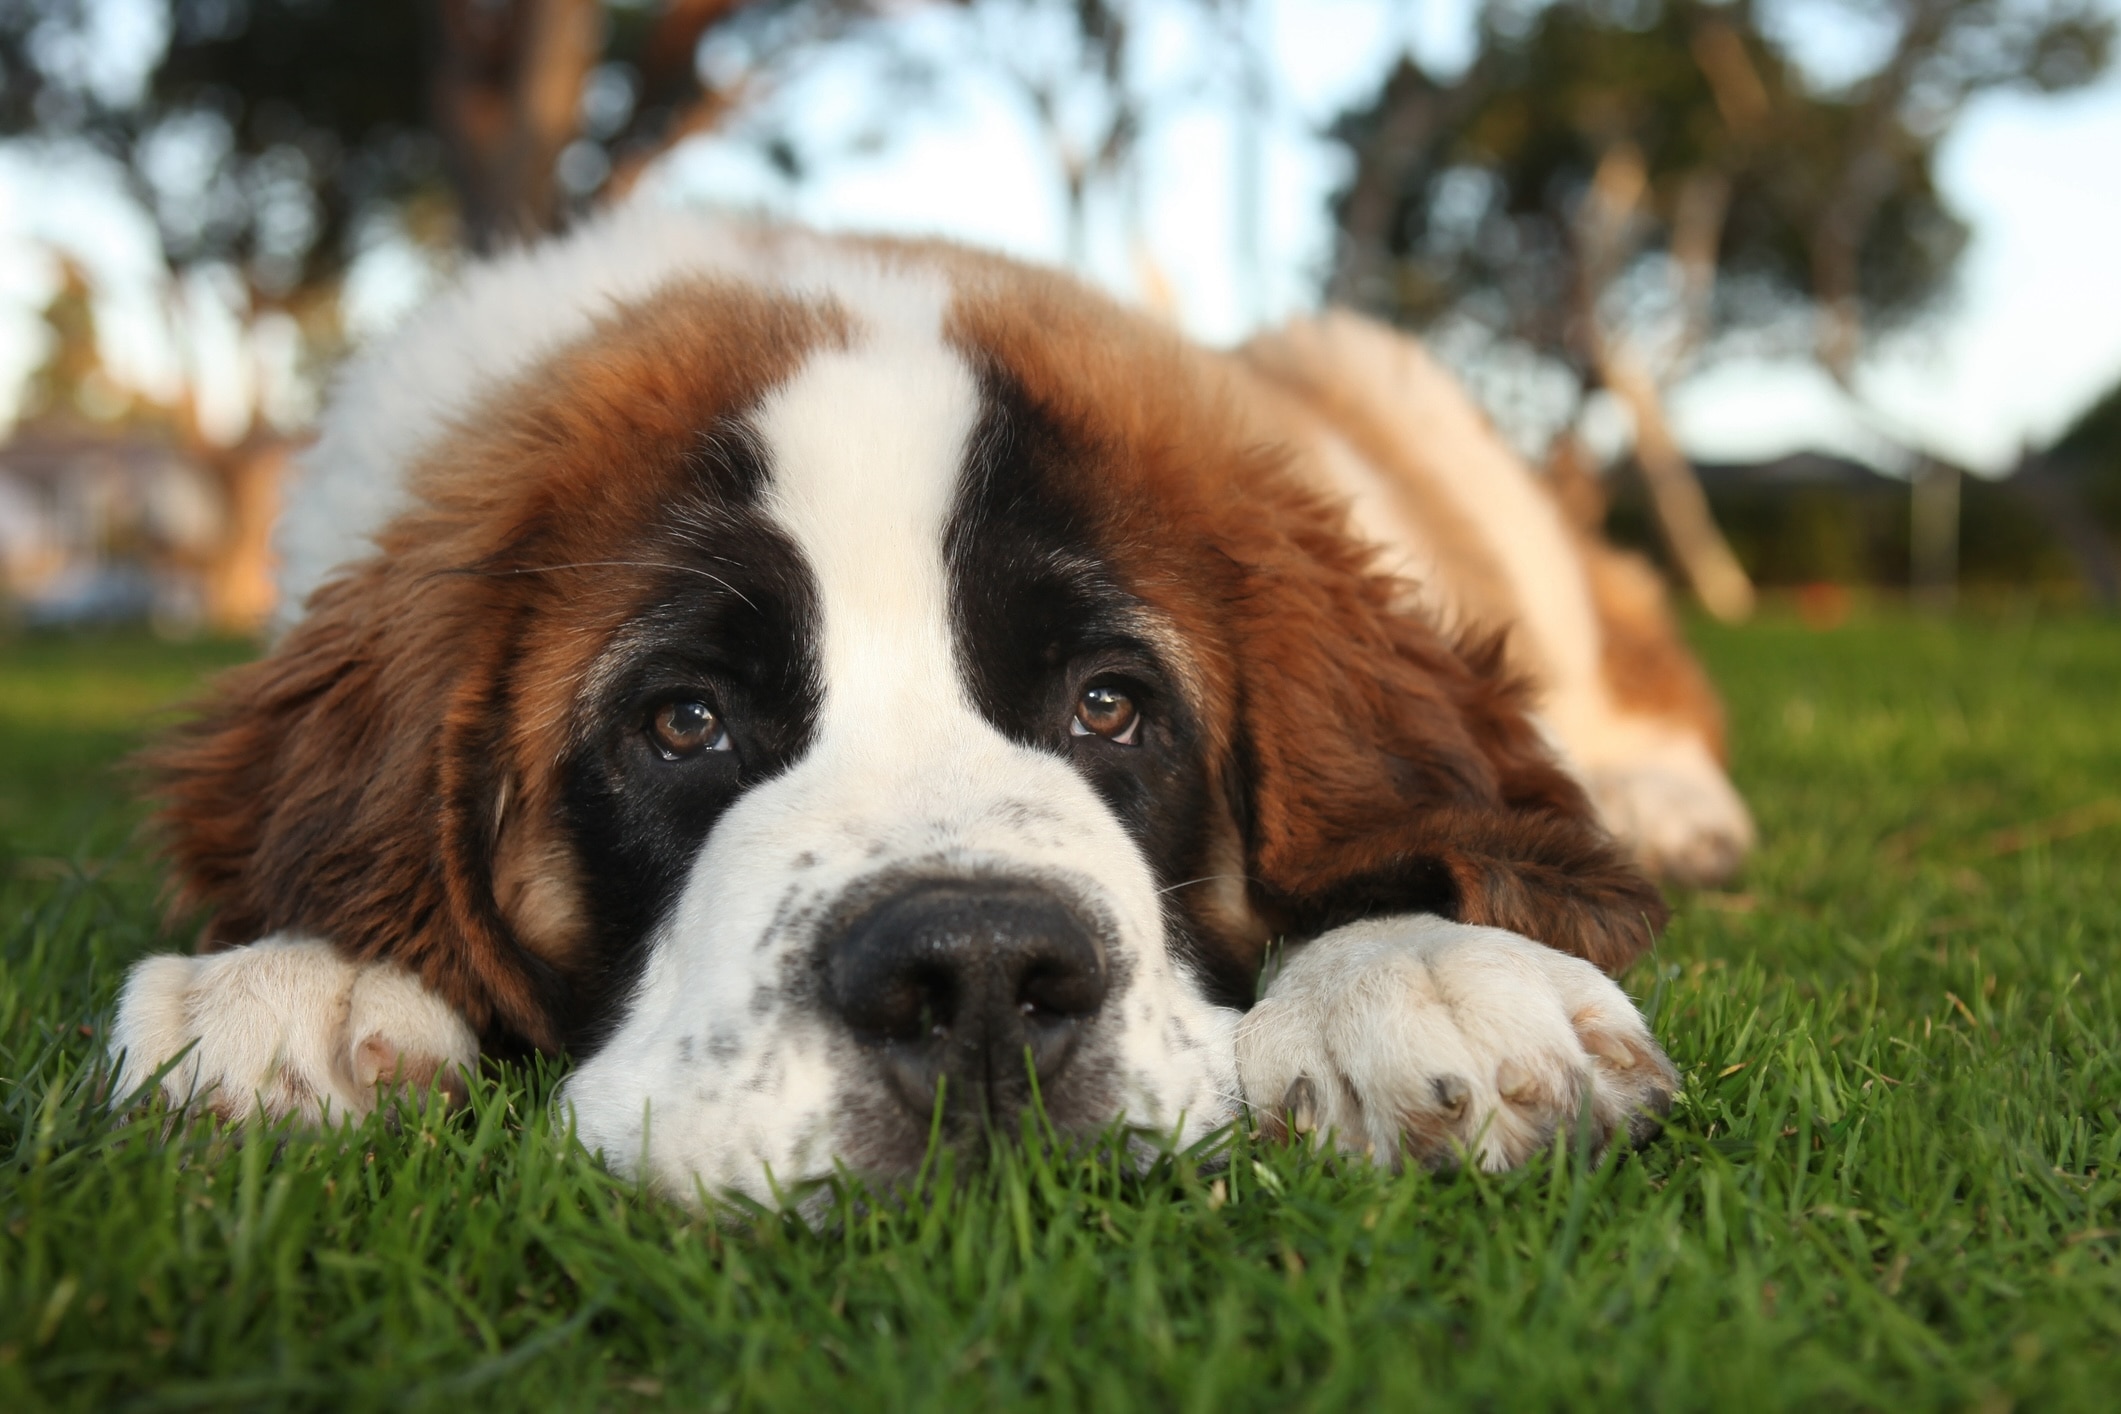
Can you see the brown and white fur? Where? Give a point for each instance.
(820, 683)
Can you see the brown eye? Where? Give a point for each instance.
(681, 729)
(1109, 713)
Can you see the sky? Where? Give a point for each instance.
(2033, 334)
(2030, 337)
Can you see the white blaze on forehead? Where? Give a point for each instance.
(866, 445)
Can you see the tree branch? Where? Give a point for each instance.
(1606, 232)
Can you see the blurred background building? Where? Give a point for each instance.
(1794, 292)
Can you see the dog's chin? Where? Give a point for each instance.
(809, 1117)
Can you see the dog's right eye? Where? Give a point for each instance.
(686, 728)
(1107, 712)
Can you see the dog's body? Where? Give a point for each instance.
(823, 684)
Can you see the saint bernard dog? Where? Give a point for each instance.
(837, 688)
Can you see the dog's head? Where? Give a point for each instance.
(828, 704)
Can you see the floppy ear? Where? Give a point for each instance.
(347, 786)
(1389, 770)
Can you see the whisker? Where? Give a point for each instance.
(1203, 879)
(632, 565)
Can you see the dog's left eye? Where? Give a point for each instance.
(1109, 713)
(686, 728)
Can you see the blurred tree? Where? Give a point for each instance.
(268, 139)
(79, 413)
(1619, 185)
(1078, 85)
(262, 132)
(2076, 484)
(271, 141)
(2089, 453)
(71, 382)
(1095, 78)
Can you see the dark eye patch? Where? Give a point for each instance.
(1043, 615)
(709, 689)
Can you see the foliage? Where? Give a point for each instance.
(1894, 1177)
(266, 133)
(1856, 533)
(2089, 453)
(260, 134)
(1470, 197)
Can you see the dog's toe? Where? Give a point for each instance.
(1432, 1042)
(285, 1028)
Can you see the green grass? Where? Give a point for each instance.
(1893, 1179)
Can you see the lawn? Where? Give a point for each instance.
(1893, 1177)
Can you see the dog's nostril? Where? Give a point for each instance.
(1061, 992)
(961, 978)
(893, 999)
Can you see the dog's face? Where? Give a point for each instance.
(834, 712)
(894, 788)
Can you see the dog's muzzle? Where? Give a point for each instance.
(968, 988)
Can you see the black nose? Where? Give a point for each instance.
(954, 981)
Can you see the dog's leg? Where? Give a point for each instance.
(286, 1026)
(1437, 1040)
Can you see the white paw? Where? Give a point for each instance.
(1421, 1037)
(284, 1027)
(1680, 817)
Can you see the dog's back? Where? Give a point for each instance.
(1486, 546)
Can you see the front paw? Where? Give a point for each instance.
(1437, 1040)
(285, 1027)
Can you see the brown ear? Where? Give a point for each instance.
(1390, 770)
(346, 786)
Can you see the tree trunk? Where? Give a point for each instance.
(1410, 115)
(1682, 508)
(1933, 535)
(507, 93)
(239, 580)
(1604, 235)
